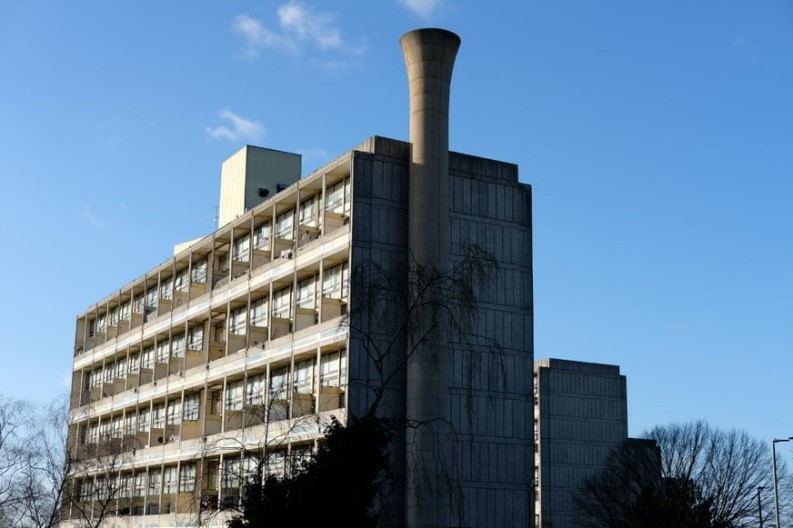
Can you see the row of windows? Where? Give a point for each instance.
(231, 474)
(238, 394)
(337, 201)
(335, 285)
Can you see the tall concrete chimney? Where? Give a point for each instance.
(429, 57)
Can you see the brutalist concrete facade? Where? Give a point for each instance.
(247, 341)
(486, 447)
(580, 415)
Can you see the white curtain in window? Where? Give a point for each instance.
(240, 251)
(238, 316)
(234, 395)
(261, 237)
(284, 225)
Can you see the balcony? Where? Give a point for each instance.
(330, 398)
(280, 326)
(333, 308)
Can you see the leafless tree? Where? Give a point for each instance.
(396, 309)
(44, 475)
(727, 465)
(14, 417)
(697, 472)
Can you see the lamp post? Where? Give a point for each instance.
(774, 442)
(760, 505)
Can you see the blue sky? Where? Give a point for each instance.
(658, 137)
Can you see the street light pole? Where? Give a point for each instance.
(774, 442)
(760, 505)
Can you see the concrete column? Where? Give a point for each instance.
(429, 57)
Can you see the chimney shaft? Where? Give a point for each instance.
(429, 57)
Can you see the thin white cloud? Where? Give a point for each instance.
(238, 127)
(423, 8)
(299, 25)
(88, 214)
(257, 37)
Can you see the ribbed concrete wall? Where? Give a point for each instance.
(489, 441)
(582, 416)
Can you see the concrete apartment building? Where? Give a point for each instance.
(580, 415)
(232, 356)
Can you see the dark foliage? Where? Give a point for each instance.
(631, 492)
(343, 482)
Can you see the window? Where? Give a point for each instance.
(151, 299)
(306, 293)
(166, 288)
(174, 412)
(278, 381)
(125, 310)
(131, 424)
(192, 407)
(158, 416)
(250, 466)
(95, 378)
(199, 272)
(92, 328)
(187, 478)
(332, 369)
(113, 317)
(138, 304)
(169, 480)
(261, 237)
(109, 372)
(162, 351)
(101, 323)
(134, 363)
(309, 212)
(284, 225)
(117, 427)
(125, 490)
(100, 488)
(85, 489)
(195, 338)
(282, 303)
(220, 332)
(240, 251)
(237, 326)
(155, 482)
(231, 473)
(178, 345)
(259, 313)
(104, 431)
(121, 368)
(180, 281)
(92, 433)
(143, 420)
(215, 403)
(274, 465)
(304, 377)
(148, 358)
(140, 484)
(299, 457)
(254, 390)
(335, 282)
(234, 395)
(337, 197)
